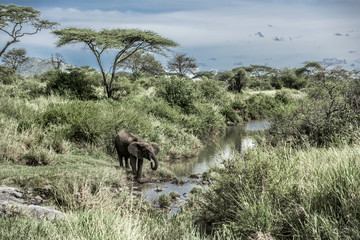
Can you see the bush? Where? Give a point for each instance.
(7, 75)
(179, 92)
(285, 194)
(123, 87)
(229, 113)
(324, 117)
(283, 96)
(164, 201)
(73, 84)
(260, 106)
(211, 89)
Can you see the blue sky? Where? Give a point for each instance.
(219, 34)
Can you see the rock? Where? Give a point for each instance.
(15, 202)
(195, 176)
(159, 189)
(39, 199)
(229, 123)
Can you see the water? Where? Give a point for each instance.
(234, 140)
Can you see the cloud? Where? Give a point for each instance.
(238, 64)
(333, 61)
(278, 39)
(259, 34)
(340, 35)
(352, 51)
(216, 32)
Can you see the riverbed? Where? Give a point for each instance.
(236, 139)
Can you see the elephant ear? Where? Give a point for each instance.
(135, 150)
(155, 147)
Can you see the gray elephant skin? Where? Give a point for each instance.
(130, 146)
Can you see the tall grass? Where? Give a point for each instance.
(304, 194)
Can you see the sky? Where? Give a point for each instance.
(219, 34)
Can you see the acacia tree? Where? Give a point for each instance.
(123, 42)
(18, 21)
(181, 64)
(143, 62)
(14, 57)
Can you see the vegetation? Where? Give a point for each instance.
(14, 57)
(17, 22)
(125, 42)
(302, 181)
(182, 65)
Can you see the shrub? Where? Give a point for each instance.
(283, 96)
(260, 106)
(73, 84)
(7, 75)
(123, 87)
(179, 92)
(229, 113)
(211, 89)
(164, 201)
(174, 195)
(324, 117)
(306, 194)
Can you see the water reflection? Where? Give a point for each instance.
(234, 140)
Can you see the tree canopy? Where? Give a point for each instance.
(181, 64)
(14, 57)
(123, 42)
(17, 21)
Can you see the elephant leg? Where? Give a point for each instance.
(121, 161)
(140, 166)
(126, 162)
(133, 164)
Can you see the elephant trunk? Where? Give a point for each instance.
(154, 167)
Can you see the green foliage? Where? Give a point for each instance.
(309, 194)
(18, 21)
(179, 92)
(164, 201)
(143, 63)
(211, 89)
(260, 106)
(238, 82)
(182, 65)
(125, 41)
(230, 114)
(325, 116)
(7, 75)
(73, 84)
(174, 195)
(14, 57)
(289, 78)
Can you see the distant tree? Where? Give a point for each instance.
(57, 60)
(18, 21)
(207, 74)
(238, 81)
(181, 64)
(124, 42)
(14, 57)
(143, 62)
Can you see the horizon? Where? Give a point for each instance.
(220, 35)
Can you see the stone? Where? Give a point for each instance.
(15, 202)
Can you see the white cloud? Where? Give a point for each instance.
(226, 32)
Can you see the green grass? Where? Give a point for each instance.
(305, 194)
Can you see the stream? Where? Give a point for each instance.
(235, 139)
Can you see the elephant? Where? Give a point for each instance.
(130, 146)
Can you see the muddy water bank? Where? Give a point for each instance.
(189, 173)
